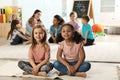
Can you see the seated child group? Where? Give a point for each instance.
(67, 35)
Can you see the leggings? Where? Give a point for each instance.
(85, 66)
(26, 66)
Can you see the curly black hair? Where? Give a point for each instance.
(77, 36)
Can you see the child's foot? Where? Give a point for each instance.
(25, 73)
(44, 74)
(60, 74)
(81, 74)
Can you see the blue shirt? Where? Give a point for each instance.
(88, 28)
(55, 30)
(29, 28)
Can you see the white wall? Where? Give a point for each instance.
(49, 8)
(5, 3)
(111, 19)
(96, 10)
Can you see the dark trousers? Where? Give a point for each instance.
(18, 40)
(89, 42)
(58, 39)
(50, 40)
(26, 66)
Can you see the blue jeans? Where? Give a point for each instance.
(85, 66)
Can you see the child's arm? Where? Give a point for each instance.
(86, 37)
(43, 62)
(28, 33)
(59, 57)
(54, 38)
(61, 60)
(47, 57)
(34, 66)
(31, 57)
(52, 34)
(32, 62)
(22, 36)
(81, 58)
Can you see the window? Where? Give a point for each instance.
(107, 5)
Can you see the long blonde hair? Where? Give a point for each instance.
(34, 42)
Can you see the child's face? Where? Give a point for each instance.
(73, 17)
(38, 34)
(33, 23)
(84, 21)
(55, 21)
(18, 26)
(67, 33)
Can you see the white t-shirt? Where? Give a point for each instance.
(15, 33)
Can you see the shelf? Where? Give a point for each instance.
(4, 29)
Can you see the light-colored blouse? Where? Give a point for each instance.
(75, 25)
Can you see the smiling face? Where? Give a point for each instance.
(73, 16)
(39, 34)
(37, 15)
(18, 26)
(67, 32)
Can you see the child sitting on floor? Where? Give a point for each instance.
(55, 28)
(87, 31)
(72, 63)
(30, 24)
(16, 35)
(39, 54)
(73, 21)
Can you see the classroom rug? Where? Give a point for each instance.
(118, 69)
(101, 52)
(99, 71)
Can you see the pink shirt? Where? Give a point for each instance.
(71, 53)
(39, 54)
